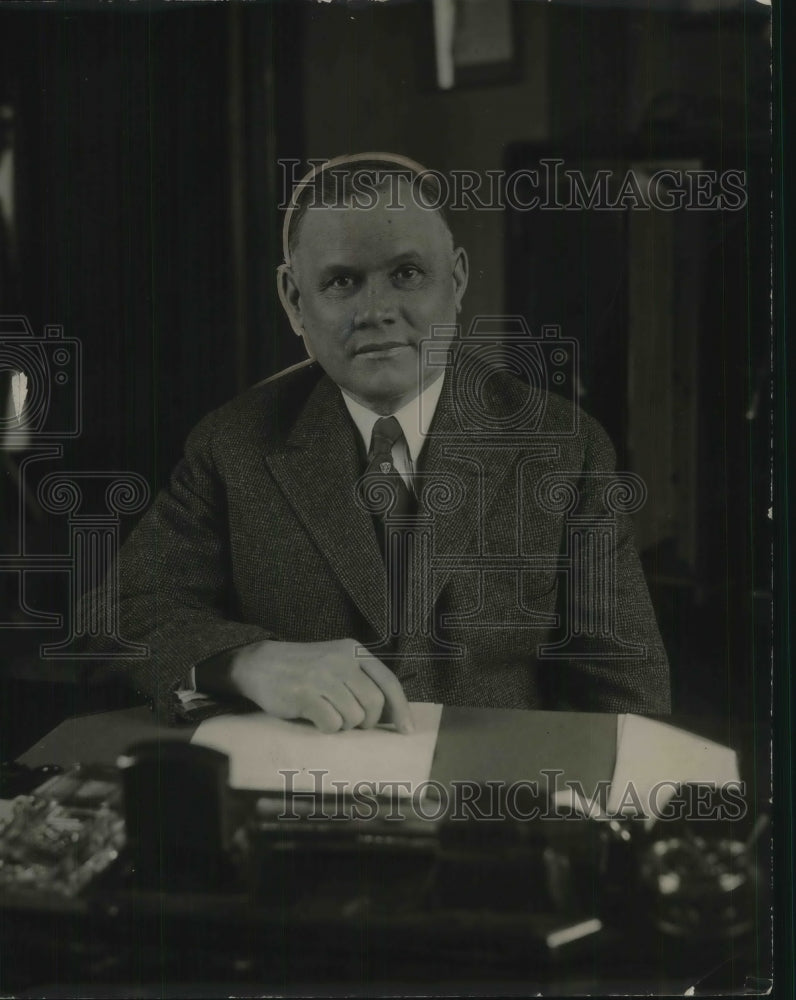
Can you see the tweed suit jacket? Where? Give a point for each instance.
(260, 535)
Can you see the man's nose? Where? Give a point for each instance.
(376, 302)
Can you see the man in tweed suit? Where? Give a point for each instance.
(258, 573)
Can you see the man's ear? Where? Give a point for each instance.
(461, 272)
(290, 297)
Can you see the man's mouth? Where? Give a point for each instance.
(384, 348)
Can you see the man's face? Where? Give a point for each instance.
(365, 287)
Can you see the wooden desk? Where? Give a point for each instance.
(175, 936)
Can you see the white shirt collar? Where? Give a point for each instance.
(415, 417)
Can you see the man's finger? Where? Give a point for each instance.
(370, 697)
(344, 701)
(323, 714)
(396, 707)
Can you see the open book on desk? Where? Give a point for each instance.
(269, 754)
(470, 744)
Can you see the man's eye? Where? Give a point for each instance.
(408, 275)
(340, 282)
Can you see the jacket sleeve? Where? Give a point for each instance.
(617, 661)
(174, 582)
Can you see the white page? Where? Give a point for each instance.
(260, 747)
(649, 753)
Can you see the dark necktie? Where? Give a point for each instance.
(381, 469)
(393, 509)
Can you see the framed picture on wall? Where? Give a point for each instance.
(475, 43)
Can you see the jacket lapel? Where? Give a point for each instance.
(317, 469)
(479, 470)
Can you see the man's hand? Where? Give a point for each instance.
(325, 682)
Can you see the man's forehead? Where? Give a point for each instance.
(385, 223)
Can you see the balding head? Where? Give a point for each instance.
(359, 181)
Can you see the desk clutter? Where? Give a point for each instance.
(118, 861)
(56, 840)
